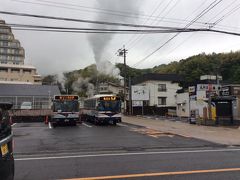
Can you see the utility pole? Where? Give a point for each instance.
(97, 84)
(123, 52)
(129, 96)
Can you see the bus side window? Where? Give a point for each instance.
(100, 106)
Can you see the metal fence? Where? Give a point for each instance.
(38, 102)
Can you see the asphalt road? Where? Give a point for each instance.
(117, 152)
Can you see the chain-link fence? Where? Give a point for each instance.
(36, 102)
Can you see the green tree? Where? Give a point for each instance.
(50, 79)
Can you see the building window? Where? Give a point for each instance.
(162, 100)
(15, 70)
(27, 71)
(5, 43)
(103, 88)
(3, 70)
(162, 88)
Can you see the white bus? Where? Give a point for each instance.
(65, 110)
(102, 109)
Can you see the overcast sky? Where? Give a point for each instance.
(52, 52)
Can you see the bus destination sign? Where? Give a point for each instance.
(66, 97)
(109, 98)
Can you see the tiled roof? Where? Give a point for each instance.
(157, 77)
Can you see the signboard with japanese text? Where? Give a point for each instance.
(140, 93)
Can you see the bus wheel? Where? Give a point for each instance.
(96, 121)
(54, 125)
(74, 123)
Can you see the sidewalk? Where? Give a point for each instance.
(221, 135)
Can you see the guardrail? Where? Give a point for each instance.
(38, 102)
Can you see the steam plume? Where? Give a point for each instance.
(83, 85)
(99, 42)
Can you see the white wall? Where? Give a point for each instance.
(200, 103)
(154, 94)
(182, 101)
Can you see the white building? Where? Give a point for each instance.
(197, 102)
(162, 88)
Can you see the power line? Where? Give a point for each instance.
(193, 12)
(94, 30)
(228, 14)
(221, 11)
(159, 4)
(224, 32)
(28, 27)
(99, 32)
(104, 11)
(141, 37)
(119, 13)
(83, 20)
(89, 9)
(116, 13)
(206, 10)
(212, 24)
(132, 37)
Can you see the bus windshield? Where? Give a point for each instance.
(114, 106)
(65, 106)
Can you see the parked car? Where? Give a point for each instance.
(6, 146)
(26, 105)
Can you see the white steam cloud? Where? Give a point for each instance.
(83, 85)
(99, 42)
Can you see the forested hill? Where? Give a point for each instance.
(225, 64)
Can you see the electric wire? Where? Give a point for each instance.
(122, 13)
(105, 11)
(117, 31)
(132, 37)
(165, 8)
(95, 30)
(205, 11)
(83, 20)
(199, 7)
(211, 25)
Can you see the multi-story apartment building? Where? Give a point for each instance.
(12, 55)
(19, 73)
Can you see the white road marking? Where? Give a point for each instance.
(13, 124)
(49, 125)
(126, 154)
(23, 127)
(69, 152)
(86, 125)
(123, 125)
